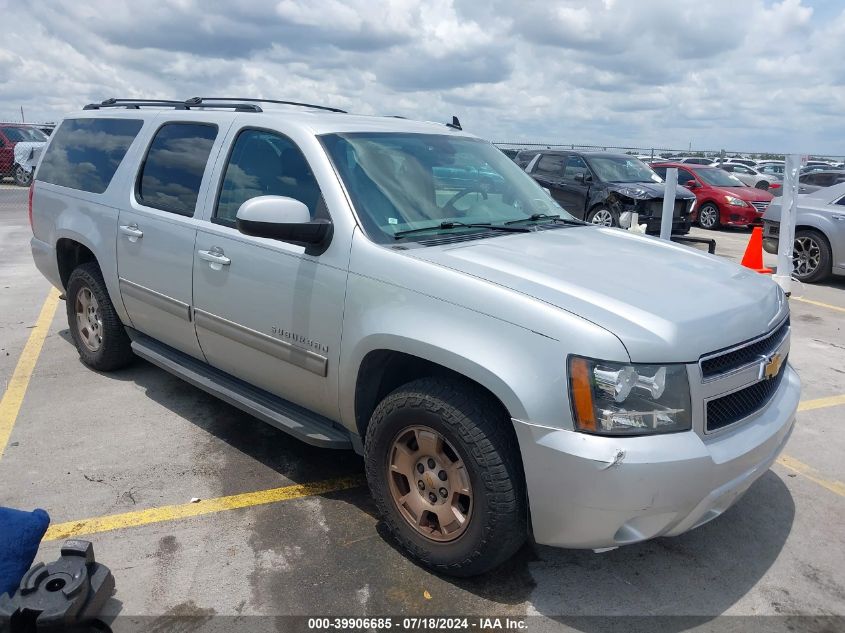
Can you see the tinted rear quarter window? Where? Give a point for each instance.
(85, 153)
(172, 172)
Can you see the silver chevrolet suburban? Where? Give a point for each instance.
(403, 289)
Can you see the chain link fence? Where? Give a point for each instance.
(13, 199)
(658, 152)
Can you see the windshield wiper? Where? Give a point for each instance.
(454, 224)
(537, 217)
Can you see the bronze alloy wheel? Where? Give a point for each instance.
(89, 321)
(429, 484)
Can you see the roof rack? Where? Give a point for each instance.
(201, 101)
(239, 105)
(135, 104)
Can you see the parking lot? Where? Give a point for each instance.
(283, 528)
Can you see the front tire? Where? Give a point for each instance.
(602, 216)
(708, 216)
(445, 473)
(810, 256)
(97, 332)
(22, 177)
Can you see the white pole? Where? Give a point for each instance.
(668, 203)
(786, 235)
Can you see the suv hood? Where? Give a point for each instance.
(648, 189)
(665, 302)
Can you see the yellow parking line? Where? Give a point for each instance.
(16, 389)
(208, 506)
(818, 303)
(821, 403)
(836, 487)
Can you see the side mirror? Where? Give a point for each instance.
(583, 178)
(284, 219)
(690, 184)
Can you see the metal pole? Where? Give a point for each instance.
(786, 235)
(668, 203)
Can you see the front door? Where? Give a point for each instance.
(267, 311)
(575, 186)
(157, 231)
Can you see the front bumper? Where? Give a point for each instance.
(582, 494)
(739, 216)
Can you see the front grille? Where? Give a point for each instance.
(745, 355)
(654, 208)
(760, 205)
(771, 229)
(738, 405)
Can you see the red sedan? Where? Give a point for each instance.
(721, 199)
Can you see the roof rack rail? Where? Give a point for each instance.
(197, 101)
(135, 104)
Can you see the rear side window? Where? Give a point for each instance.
(85, 153)
(550, 164)
(172, 172)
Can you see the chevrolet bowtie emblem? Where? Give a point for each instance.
(771, 367)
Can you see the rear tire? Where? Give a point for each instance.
(708, 216)
(762, 185)
(810, 256)
(97, 332)
(477, 474)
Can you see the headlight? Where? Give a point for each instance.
(618, 399)
(633, 192)
(734, 202)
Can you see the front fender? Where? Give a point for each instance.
(514, 346)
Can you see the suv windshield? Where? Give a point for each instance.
(622, 169)
(719, 178)
(24, 135)
(402, 181)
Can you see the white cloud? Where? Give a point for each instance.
(735, 74)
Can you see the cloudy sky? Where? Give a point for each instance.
(747, 75)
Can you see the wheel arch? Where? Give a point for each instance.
(383, 369)
(70, 253)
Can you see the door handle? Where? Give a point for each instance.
(215, 257)
(132, 232)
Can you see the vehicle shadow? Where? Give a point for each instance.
(700, 574)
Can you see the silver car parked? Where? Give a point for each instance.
(500, 365)
(819, 249)
(752, 177)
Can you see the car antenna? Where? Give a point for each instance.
(455, 124)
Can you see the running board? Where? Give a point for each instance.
(304, 425)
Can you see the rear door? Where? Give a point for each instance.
(157, 229)
(548, 172)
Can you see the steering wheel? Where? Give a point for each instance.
(473, 188)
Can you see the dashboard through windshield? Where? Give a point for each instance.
(402, 184)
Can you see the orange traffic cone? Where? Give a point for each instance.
(753, 257)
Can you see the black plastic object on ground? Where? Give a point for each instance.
(65, 595)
